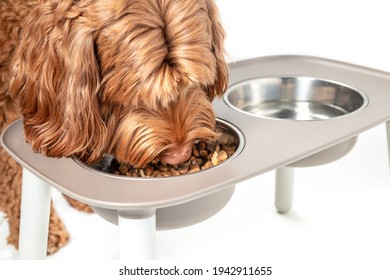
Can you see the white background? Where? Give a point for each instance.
(339, 225)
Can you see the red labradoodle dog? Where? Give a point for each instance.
(131, 78)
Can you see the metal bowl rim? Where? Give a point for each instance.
(234, 86)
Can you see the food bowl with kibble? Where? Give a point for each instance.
(205, 157)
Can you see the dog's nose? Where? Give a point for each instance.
(177, 155)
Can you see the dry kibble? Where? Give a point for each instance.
(174, 172)
(222, 155)
(230, 149)
(204, 155)
(196, 153)
(148, 171)
(163, 168)
(207, 165)
(192, 159)
(214, 159)
(166, 173)
(198, 161)
(202, 145)
(195, 168)
(183, 170)
(123, 168)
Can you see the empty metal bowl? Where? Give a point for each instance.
(294, 98)
(299, 99)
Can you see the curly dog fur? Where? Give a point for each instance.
(131, 78)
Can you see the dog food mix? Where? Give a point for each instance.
(204, 155)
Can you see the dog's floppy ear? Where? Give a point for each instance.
(55, 78)
(218, 37)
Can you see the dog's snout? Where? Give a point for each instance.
(177, 155)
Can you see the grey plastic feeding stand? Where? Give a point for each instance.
(285, 112)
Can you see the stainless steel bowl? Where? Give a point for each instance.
(299, 99)
(227, 134)
(294, 98)
(186, 213)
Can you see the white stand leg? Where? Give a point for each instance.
(284, 184)
(137, 236)
(388, 138)
(34, 217)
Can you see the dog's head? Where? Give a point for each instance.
(134, 78)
